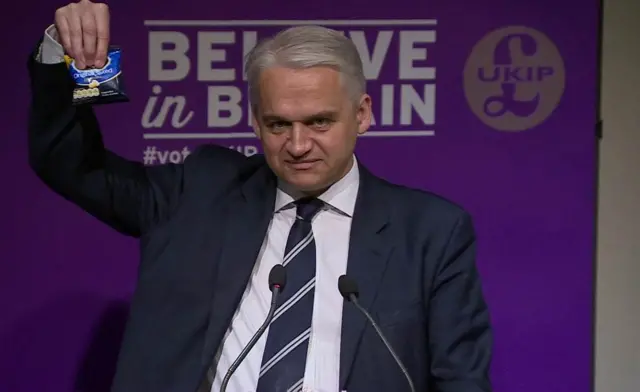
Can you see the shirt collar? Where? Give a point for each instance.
(340, 196)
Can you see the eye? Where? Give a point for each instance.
(278, 126)
(321, 122)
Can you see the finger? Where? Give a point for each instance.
(88, 37)
(75, 28)
(102, 33)
(62, 25)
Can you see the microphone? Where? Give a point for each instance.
(349, 290)
(277, 281)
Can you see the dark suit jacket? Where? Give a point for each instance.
(201, 225)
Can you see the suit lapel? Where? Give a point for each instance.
(369, 252)
(247, 221)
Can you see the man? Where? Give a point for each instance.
(212, 228)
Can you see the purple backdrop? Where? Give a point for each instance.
(527, 175)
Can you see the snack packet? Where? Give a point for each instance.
(99, 85)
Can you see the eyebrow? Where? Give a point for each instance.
(332, 114)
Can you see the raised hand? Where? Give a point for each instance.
(83, 30)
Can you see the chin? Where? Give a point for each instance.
(305, 182)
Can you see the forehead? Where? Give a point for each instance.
(297, 92)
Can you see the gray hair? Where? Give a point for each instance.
(305, 47)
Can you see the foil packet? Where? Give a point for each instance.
(98, 86)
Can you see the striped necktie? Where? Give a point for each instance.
(285, 354)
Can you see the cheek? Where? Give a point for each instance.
(337, 145)
(271, 146)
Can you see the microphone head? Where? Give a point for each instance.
(348, 287)
(277, 277)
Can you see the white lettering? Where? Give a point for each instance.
(409, 102)
(231, 104)
(247, 150)
(217, 59)
(387, 104)
(409, 53)
(165, 156)
(176, 103)
(207, 55)
(87, 73)
(372, 62)
(162, 156)
(373, 53)
(159, 55)
(424, 106)
(175, 157)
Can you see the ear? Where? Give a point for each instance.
(363, 114)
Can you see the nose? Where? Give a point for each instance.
(299, 142)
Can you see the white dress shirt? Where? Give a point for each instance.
(51, 52)
(331, 229)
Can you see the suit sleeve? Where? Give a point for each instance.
(460, 335)
(67, 153)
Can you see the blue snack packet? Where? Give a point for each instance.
(99, 85)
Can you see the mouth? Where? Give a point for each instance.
(302, 165)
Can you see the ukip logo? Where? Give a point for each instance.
(514, 78)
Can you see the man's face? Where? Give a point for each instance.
(308, 125)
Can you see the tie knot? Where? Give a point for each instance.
(308, 207)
